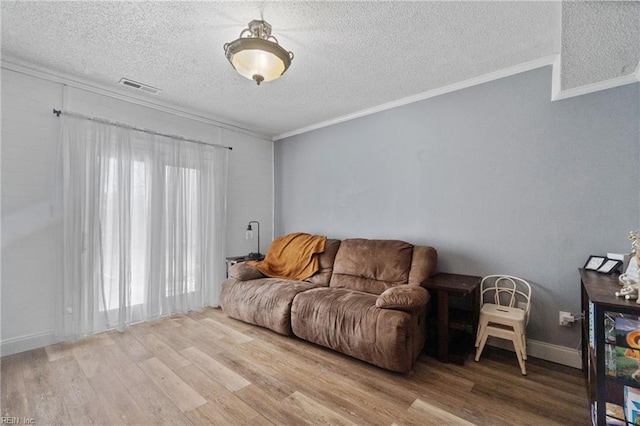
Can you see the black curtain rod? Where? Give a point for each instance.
(57, 112)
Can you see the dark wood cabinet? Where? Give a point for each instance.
(599, 302)
(455, 325)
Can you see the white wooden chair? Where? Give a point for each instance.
(505, 302)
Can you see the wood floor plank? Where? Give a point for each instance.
(43, 394)
(208, 414)
(116, 401)
(523, 392)
(172, 385)
(197, 325)
(220, 373)
(163, 352)
(225, 403)
(312, 411)
(14, 401)
(230, 334)
(265, 354)
(153, 403)
(203, 337)
(262, 375)
(480, 402)
(219, 316)
(59, 350)
(553, 389)
(90, 354)
(77, 394)
(176, 337)
(354, 403)
(436, 416)
(392, 386)
(269, 407)
(206, 368)
(131, 346)
(461, 403)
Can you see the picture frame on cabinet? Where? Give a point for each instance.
(609, 266)
(594, 262)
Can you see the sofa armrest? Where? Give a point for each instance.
(403, 297)
(243, 271)
(423, 264)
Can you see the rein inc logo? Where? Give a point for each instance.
(7, 420)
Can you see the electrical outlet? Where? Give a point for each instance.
(565, 319)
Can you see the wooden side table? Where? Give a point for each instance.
(455, 346)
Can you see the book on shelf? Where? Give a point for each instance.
(627, 364)
(610, 363)
(615, 415)
(610, 326)
(632, 405)
(627, 332)
(622, 351)
(591, 326)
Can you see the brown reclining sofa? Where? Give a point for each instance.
(365, 300)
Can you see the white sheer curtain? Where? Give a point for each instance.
(143, 226)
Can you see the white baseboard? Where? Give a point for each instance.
(26, 343)
(537, 349)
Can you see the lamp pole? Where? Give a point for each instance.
(257, 254)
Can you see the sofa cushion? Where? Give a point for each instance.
(371, 266)
(265, 302)
(245, 271)
(349, 321)
(325, 259)
(404, 298)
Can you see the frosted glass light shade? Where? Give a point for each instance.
(253, 62)
(256, 57)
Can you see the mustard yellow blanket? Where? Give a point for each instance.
(293, 256)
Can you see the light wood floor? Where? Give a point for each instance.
(205, 368)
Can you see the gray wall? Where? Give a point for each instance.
(497, 177)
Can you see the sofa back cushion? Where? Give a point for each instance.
(326, 260)
(423, 265)
(371, 266)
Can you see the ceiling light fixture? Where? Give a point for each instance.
(255, 56)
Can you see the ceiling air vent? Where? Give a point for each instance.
(139, 86)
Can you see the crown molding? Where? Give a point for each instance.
(72, 81)
(517, 69)
(558, 95)
(556, 90)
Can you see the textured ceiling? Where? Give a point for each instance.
(349, 56)
(600, 41)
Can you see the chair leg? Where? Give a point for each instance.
(479, 335)
(520, 340)
(518, 349)
(483, 340)
(482, 329)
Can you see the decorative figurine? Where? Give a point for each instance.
(629, 280)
